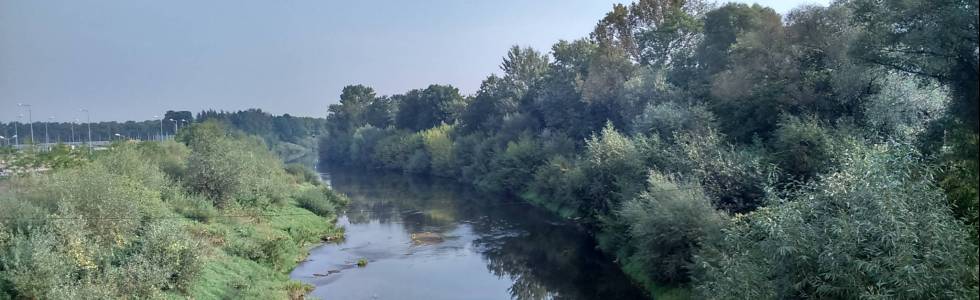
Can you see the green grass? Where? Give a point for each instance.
(250, 258)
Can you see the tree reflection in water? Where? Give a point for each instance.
(542, 256)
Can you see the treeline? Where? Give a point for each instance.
(285, 127)
(78, 131)
(729, 151)
(293, 139)
(210, 215)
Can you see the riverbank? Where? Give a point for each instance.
(213, 216)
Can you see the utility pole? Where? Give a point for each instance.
(175, 126)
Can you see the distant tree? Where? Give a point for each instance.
(179, 115)
(423, 109)
(354, 100)
(381, 112)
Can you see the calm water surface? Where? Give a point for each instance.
(433, 239)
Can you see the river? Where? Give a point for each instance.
(436, 239)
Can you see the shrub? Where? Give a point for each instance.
(877, 228)
(613, 170)
(194, 207)
(165, 258)
(395, 151)
(667, 224)
(418, 163)
(666, 119)
(363, 144)
(513, 169)
(303, 174)
(228, 169)
(321, 201)
(734, 179)
(557, 186)
(32, 266)
(439, 147)
(805, 147)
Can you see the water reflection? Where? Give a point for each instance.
(434, 239)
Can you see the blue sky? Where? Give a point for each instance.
(132, 59)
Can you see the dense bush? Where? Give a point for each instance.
(877, 228)
(232, 170)
(321, 201)
(668, 223)
(133, 222)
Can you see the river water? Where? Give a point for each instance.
(435, 239)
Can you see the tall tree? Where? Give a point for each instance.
(933, 39)
(423, 109)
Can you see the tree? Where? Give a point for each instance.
(523, 68)
(423, 109)
(354, 100)
(178, 116)
(932, 39)
(381, 112)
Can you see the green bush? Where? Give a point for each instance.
(613, 171)
(32, 266)
(229, 169)
(667, 224)
(303, 174)
(439, 146)
(321, 201)
(734, 178)
(194, 207)
(557, 186)
(877, 228)
(805, 147)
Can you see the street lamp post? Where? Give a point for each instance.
(175, 126)
(47, 138)
(161, 126)
(30, 120)
(20, 118)
(72, 139)
(88, 122)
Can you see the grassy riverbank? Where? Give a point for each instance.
(211, 215)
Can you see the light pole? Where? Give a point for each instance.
(175, 126)
(47, 138)
(30, 120)
(20, 118)
(161, 126)
(73, 131)
(88, 122)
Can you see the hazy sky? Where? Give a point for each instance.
(132, 59)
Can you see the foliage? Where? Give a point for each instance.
(321, 201)
(668, 223)
(759, 117)
(877, 228)
(123, 225)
